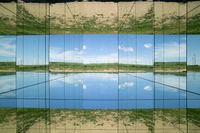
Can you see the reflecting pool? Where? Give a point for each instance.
(100, 102)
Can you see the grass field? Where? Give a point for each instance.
(193, 67)
(31, 67)
(25, 119)
(158, 66)
(7, 66)
(109, 67)
(170, 66)
(27, 23)
(12, 67)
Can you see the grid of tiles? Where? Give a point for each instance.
(40, 101)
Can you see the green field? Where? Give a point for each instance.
(111, 67)
(158, 66)
(193, 67)
(7, 66)
(31, 67)
(170, 66)
(107, 67)
(12, 67)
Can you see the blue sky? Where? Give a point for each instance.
(111, 48)
(102, 48)
(31, 49)
(170, 48)
(84, 48)
(99, 48)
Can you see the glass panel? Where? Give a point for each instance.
(32, 49)
(170, 49)
(126, 40)
(193, 57)
(7, 53)
(8, 101)
(57, 18)
(193, 64)
(57, 52)
(88, 66)
(158, 64)
(193, 5)
(8, 18)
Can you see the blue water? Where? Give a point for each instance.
(99, 90)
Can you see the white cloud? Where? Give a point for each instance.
(7, 83)
(109, 58)
(171, 50)
(7, 47)
(148, 88)
(70, 79)
(84, 86)
(148, 45)
(133, 60)
(57, 55)
(173, 80)
(80, 79)
(126, 49)
(84, 47)
(76, 49)
(7, 53)
(79, 56)
(126, 85)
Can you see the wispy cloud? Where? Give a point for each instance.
(7, 84)
(109, 58)
(58, 55)
(80, 80)
(134, 60)
(171, 50)
(126, 49)
(148, 45)
(7, 46)
(80, 56)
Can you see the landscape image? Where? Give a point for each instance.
(99, 66)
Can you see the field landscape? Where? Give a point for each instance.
(96, 66)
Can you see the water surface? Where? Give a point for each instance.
(99, 90)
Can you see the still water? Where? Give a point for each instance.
(99, 90)
(38, 102)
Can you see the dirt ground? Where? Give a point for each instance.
(100, 9)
